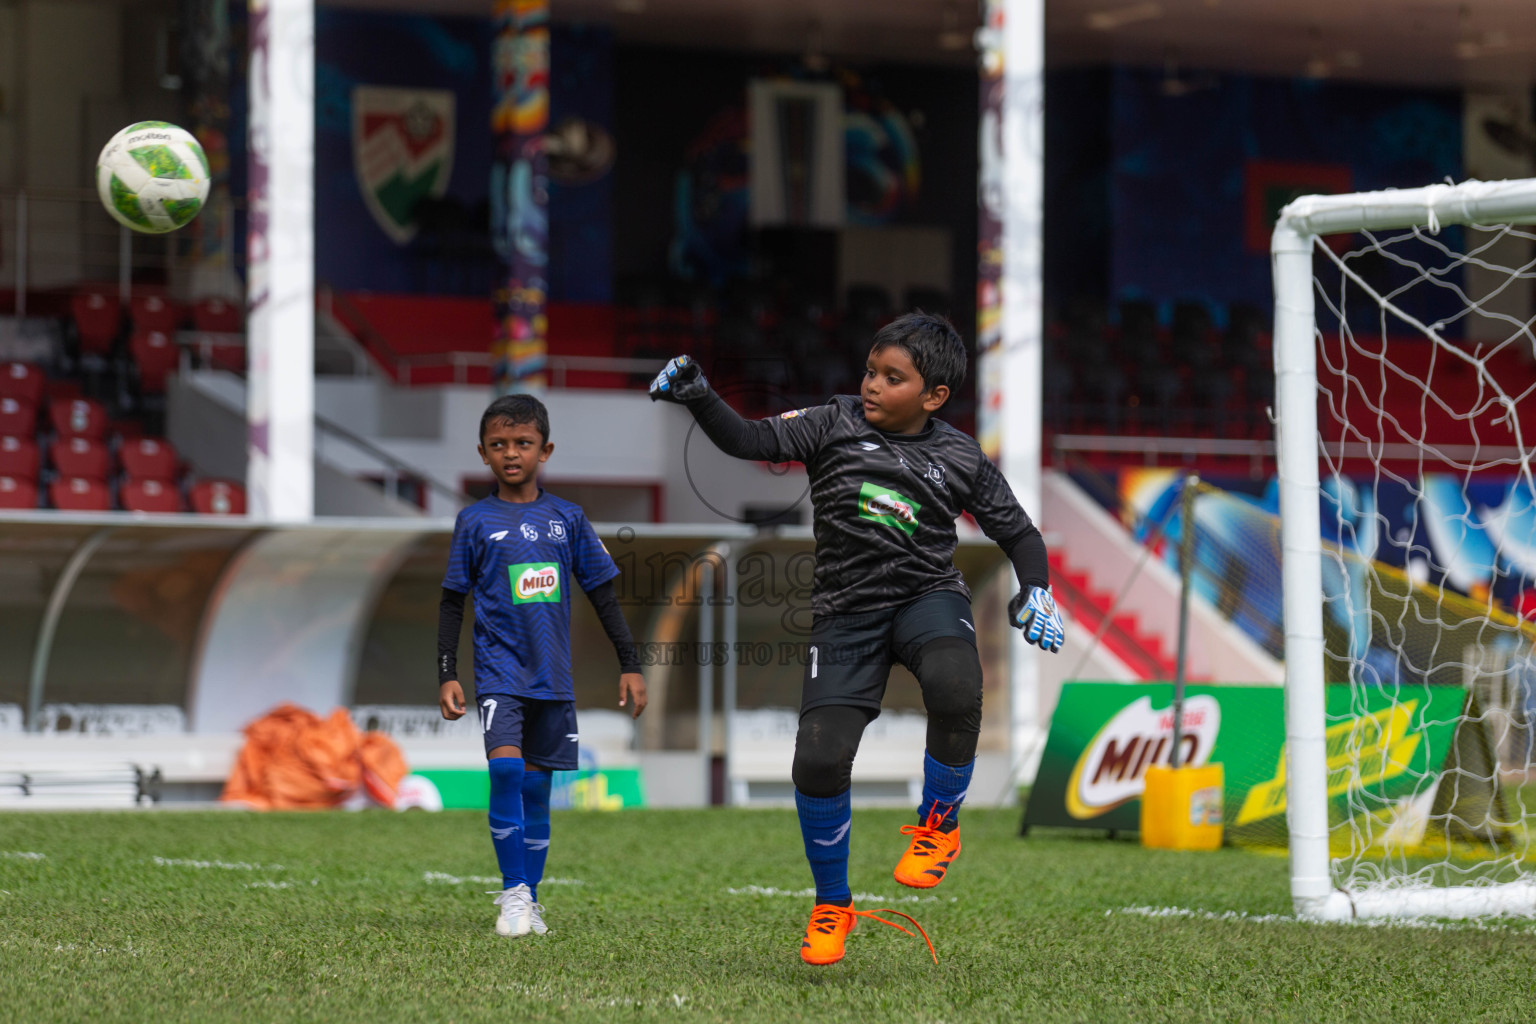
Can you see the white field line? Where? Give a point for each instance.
(1238, 915)
(279, 885)
(70, 947)
(222, 865)
(858, 897)
(21, 855)
(548, 993)
(444, 878)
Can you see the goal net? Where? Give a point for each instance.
(1405, 365)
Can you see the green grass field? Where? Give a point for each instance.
(227, 916)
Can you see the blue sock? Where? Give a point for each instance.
(825, 822)
(944, 788)
(507, 818)
(535, 826)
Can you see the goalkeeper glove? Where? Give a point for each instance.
(681, 380)
(1035, 613)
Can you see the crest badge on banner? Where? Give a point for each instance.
(402, 150)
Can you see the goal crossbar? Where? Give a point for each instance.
(1299, 226)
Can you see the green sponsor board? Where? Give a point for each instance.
(1104, 735)
(880, 504)
(599, 789)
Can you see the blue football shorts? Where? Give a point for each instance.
(545, 730)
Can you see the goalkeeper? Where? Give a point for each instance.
(887, 483)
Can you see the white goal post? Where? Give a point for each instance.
(1316, 887)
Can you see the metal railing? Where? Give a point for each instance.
(1261, 453)
(57, 238)
(404, 367)
(395, 472)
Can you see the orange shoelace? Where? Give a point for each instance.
(827, 914)
(924, 841)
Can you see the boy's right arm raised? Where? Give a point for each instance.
(682, 381)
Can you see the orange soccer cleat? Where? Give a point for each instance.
(929, 855)
(830, 925)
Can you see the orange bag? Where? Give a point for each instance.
(292, 758)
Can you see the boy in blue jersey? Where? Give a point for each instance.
(518, 551)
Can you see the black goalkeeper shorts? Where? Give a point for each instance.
(849, 657)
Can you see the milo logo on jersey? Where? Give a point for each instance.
(880, 504)
(534, 581)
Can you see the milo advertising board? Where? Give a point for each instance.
(1104, 736)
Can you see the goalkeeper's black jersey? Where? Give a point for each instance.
(885, 504)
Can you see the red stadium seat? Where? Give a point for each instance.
(78, 417)
(63, 387)
(16, 493)
(217, 315)
(19, 458)
(147, 458)
(77, 494)
(17, 419)
(22, 381)
(154, 313)
(97, 315)
(128, 430)
(218, 497)
(150, 496)
(82, 457)
(156, 355)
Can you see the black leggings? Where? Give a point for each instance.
(949, 672)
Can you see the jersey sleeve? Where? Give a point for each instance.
(590, 563)
(991, 501)
(800, 433)
(462, 566)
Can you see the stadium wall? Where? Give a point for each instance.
(616, 438)
(170, 633)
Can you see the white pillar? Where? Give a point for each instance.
(280, 402)
(1023, 328)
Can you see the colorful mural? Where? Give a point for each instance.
(1194, 168)
(1418, 571)
(402, 157)
(520, 194)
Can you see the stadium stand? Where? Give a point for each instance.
(217, 497)
(150, 496)
(97, 317)
(16, 418)
(23, 382)
(78, 417)
(78, 494)
(82, 457)
(17, 494)
(148, 458)
(19, 458)
(217, 316)
(155, 357)
(154, 312)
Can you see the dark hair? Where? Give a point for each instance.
(931, 342)
(515, 409)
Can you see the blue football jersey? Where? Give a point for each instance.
(521, 562)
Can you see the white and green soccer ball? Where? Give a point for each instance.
(152, 177)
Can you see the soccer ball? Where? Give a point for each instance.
(152, 177)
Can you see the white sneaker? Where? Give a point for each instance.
(537, 921)
(517, 911)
